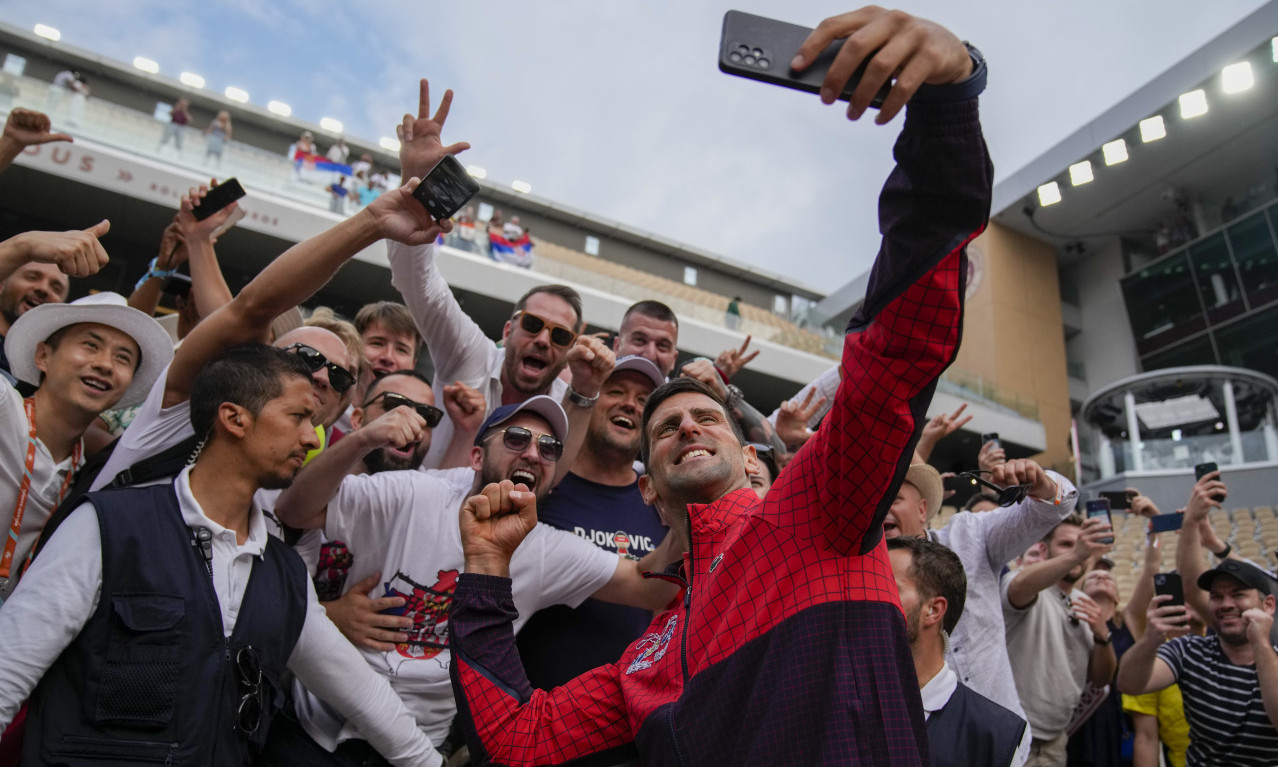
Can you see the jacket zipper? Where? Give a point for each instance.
(687, 606)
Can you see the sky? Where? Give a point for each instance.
(618, 108)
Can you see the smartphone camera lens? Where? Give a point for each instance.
(756, 53)
(749, 60)
(743, 49)
(764, 63)
(734, 57)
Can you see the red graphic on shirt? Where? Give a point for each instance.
(622, 541)
(428, 607)
(335, 562)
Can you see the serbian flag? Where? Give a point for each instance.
(319, 162)
(518, 252)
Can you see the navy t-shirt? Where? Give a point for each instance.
(560, 643)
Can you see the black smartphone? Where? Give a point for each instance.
(956, 483)
(1166, 523)
(1100, 508)
(761, 49)
(446, 188)
(1169, 583)
(218, 198)
(1202, 470)
(1117, 500)
(991, 437)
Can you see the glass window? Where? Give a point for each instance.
(690, 275)
(1253, 245)
(1195, 352)
(1217, 284)
(592, 245)
(780, 305)
(1250, 343)
(1162, 304)
(14, 64)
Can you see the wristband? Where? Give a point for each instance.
(1221, 555)
(581, 400)
(153, 271)
(1099, 641)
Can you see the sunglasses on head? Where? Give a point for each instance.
(391, 400)
(517, 438)
(531, 323)
(338, 377)
(1007, 496)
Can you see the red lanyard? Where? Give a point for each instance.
(10, 545)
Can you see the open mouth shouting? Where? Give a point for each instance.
(533, 365)
(624, 422)
(524, 477)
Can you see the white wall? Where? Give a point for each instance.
(1105, 345)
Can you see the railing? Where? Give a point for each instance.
(972, 387)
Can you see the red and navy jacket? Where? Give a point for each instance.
(788, 645)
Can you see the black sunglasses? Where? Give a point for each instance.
(1007, 496)
(517, 438)
(391, 400)
(248, 716)
(531, 323)
(338, 377)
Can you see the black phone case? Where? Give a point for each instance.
(1166, 523)
(1169, 583)
(450, 177)
(218, 198)
(1202, 470)
(761, 49)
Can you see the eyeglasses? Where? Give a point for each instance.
(517, 438)
(1007, 496)
(248, 716)
(391, 400)
(531, 323)
(338, 377)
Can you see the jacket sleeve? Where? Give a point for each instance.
(506, 721)
(838, 488)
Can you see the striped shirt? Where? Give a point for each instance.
(1227, 721)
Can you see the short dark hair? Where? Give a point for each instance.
(654, 309)
(376, 385)
(392, 315)
(1073, 520)
(978, 498)
(936, 572)
(668, 390)
(563, 291)
(249, 375)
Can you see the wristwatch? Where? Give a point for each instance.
(1100, 641)
(960, 91)
(581, 400)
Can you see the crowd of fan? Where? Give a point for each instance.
(356, 621)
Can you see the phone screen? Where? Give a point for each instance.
(445, 189)
(1100, 509)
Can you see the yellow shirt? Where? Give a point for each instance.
(1167, 706)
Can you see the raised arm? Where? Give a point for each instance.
(77, 253)
(1189, 549)
(1027, 582)
(1142, 670)
(590, 361)
(24, 128)
(1010, 530)
(839, 487)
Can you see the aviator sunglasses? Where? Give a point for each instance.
(532, 324)
(1006, 495)
(390, 400)
(517, 438)
(338, 377)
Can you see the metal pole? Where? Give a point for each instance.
(1231, 418)
(1133, 431)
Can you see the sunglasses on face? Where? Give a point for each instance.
(391, 400)
(338, 377)
(1007, 496)
(532, 324)
(517, 439)
(248, 716)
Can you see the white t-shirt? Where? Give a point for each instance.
(152, 431)
(46, 481)
(405, 525)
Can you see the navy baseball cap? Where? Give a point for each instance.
(542, 405)
(1244, 572)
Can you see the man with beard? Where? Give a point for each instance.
(403, 524)
(130, 661)
(963, 726)
(1057, 637)
(1229, 681)
(649, 329)
(600, 501)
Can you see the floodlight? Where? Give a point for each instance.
(1080, 173)
(279, 108)
(1193, 104)
(476, 171)
(1049, 194)
(237, 94)
(521, 186)
(331, 125)
(1236, 78)
(191, 80)
(146, 65)
(389, 144)
(1115, 152)
(48, 32)
(1152, 129)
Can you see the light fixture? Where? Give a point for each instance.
(1273, 44)
(522, 187)
(1152, 129)
(1080, 173)
(51, 33)
(1236, 78)
(279, 108)
(1115, 151)
(331, 125)
(1049, 194)
(1193, 104)
(146, 65)
(191, 80)
(389, 144)
(476, 171)
(237, 94)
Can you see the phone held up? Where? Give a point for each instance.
(446, 188)
(1118, 500)
(761, 49)
(1166, 523)
(991, 437)
(218, 198)
(1169, 584)
(1099, 508)
(1202, 470)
